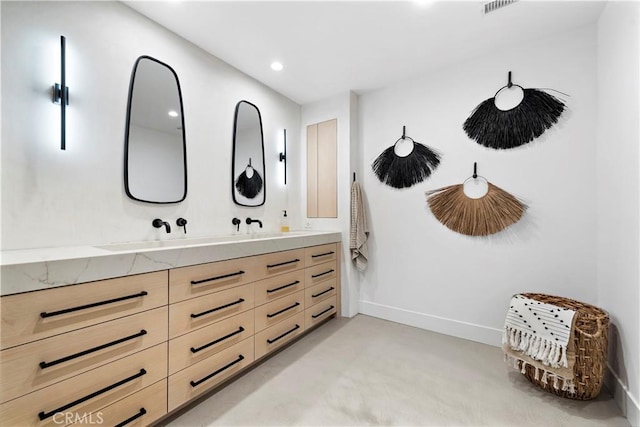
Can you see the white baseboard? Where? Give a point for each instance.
(456, 328)
(630, 408)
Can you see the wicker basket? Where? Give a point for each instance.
(590, 343)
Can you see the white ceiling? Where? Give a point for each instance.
(329, 47)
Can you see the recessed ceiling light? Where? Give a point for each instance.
(173, 113)
(276, 66)
(423, 3)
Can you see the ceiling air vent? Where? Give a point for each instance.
(497, 4)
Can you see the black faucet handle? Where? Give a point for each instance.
(181, 222)
(236, 222)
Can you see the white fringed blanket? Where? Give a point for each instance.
(539, 335)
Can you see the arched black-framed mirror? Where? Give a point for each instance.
(248, 172)
(155, 153)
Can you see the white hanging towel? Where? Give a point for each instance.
(359, 229)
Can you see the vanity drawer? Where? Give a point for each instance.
(319, 254)
(198, 378)
(277, 263)
(320, 292)
(276, 287)
(110, 383)
(203, 279)
(319, 312)
(277, 335)
(274, 312)
(195, 313)
(139, 409)
(320, 273)
(36, 315)
(205, 342)
(42, 363)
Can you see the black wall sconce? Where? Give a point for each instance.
(283, 157)
(60, 94)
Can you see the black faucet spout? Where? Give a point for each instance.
(158, 223)
(250, 221)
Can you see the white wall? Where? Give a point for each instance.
(76, 197)
(343, 108)
(423, 274)
(618, 191)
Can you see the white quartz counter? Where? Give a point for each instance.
(34, 269)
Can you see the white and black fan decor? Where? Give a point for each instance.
(404, 171)
(500, 129)
(249, 182)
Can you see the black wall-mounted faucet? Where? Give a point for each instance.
(158, 223)
(250, 221)
(236, 222)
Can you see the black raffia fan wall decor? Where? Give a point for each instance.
(402, 172)
(249, 182)
(504, 129)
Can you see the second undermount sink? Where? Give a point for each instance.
(202, 241)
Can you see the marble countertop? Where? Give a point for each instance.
(34, 269)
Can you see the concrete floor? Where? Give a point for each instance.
(367, 371)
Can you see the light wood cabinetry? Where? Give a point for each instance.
(322, 161)
(127, 351)
(137, 410)
(36, 315)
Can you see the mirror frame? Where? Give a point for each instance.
(233, 156)
(126, 133)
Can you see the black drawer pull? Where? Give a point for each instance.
(239, 331)
(323, 292)
(322, 274)
(44, 365)
(324, 254)
(44, 314)
(44, 415)
(211, 279)
(282, 263)
(282, 287)
(240, 301)
(284, 335)
(140, 413)
(213, 374)
(283, 310)
(315, 316)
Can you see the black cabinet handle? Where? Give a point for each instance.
(322, 274)
(282, 287)
(284, 335)
(283, 310)
(44, 415)
(44, 365)
(240, 301)
(323, 292)
(44, 314)
(315, 316)
(282, 263)
(324, 254)
(216, 341)
(211, 279)
(140, 413)
(213, 374)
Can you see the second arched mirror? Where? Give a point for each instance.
(248, 170)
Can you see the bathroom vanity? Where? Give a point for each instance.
(127, 349)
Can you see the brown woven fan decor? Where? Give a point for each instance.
(487, 215)
(590, 340)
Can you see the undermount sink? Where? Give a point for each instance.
(156, 244)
